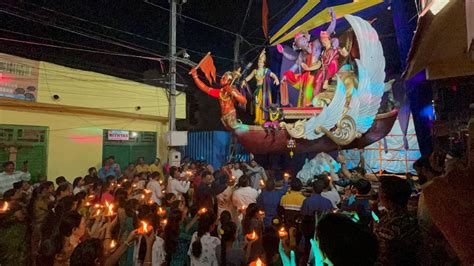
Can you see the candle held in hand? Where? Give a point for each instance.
(202, 210)
(113, 244)
(257, 262)
(5, 207)
(161, 212)
(164, 222)
(145, 228)
(252, 236)
(282, 233)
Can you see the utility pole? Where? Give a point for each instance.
(172, 67)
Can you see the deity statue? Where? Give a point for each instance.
(227, 96)
(263, 92)
(315, 66)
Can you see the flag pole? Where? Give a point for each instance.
(202, 60)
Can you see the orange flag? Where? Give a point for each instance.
(265, 18)
(207, 66)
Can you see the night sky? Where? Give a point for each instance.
(143, 27)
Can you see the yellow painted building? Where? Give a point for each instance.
(87, 104)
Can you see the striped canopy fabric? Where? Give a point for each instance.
(310, 14)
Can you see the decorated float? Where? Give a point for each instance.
(340, 84)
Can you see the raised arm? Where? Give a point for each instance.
(332, 26)
(203, 87)
(249, 77)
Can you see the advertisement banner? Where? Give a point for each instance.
(18, 77)
(118, 135)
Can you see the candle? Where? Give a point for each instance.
(161, 182)
(91, 197)
(110, 209)
(125, 180)
(286, 175)
(233, 178)
(242, 208)
(189, 173)
(257, 262)
(134, 185)
(252, 236)
(261, 213)
(161, 212)
(150, 202)
(164, 222)
(5, 207)
(282, 233)
(143, 197)
(262, 183)
(97, 206)
(145, 228)
(97, 213)
(88, 204)
(202, 211)
(147, 191)
(163, 192)
(113, 244)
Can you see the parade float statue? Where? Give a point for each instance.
(227, 94)
(348, 117)
(315, 64)
(263, 92)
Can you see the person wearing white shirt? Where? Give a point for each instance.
(10, 176)
(256, 173)
(202, 250)
(236, 171)
(330, 191)
(177, 184)
(244, 194)
(158, 256)
(155, 188)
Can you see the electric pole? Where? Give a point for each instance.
(172, 67)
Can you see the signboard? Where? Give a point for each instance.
(118, 135)
(18, 77)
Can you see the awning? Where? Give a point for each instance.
(439, 45)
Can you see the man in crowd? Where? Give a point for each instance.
(155, 188)
(111, 168)
(130, 172)
(9, 176)
(178, 184)
(397, 232)
(208, 190)
(157, 167)
(141, 167)
(256, 173)
(236, 171)
(244, 194)
(270, 198)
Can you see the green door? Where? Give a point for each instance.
(139, 144)
(31, 143)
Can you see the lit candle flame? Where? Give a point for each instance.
(262, 183)
(144, 228)
(113, 243)
(97, 206)
(261, 213)
(5, 206)
(233, 178)
(161, 211)
(258, 262)
(202, 210)
(110, 208)
(252, 236)
(125, 180)
(150, 202)
(88, 204)
(286, 175)
(147, 191)
(161, 182)
(282, 232)
(143, 196)
(134, 185)
(164, 222)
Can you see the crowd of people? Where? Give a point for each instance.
(236, 215)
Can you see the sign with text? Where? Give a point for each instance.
(118, 135)
(18, 77)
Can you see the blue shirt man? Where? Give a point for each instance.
(269, 200)
(316, 202)
(109, 169)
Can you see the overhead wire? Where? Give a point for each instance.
(200, 22)
(79, 33)
(126, 32)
